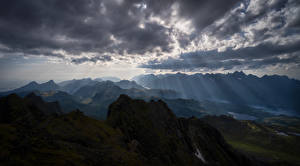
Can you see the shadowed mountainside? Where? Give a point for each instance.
(135, 133)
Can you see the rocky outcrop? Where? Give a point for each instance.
(162, 138)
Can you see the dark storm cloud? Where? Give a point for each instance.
(111, 26)
(29, 52)
(78, 26)
(140, 40)
(92, 59)
(48, 24)
(203, 12)
(245, 16)
(256, 24)
(104, 28)
(246, 58)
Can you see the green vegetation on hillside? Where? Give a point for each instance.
(272, 143)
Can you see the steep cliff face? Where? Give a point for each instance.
(165, 140)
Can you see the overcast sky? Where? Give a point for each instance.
(65, 39)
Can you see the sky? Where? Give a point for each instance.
(61, 40)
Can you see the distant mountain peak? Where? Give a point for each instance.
(50, 82)
(126, 84)
(33, 83)
(113, 79)
(124, 81)
(269, 91)
(239, 73)
(179, 73)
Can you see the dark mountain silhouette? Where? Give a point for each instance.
(69, 86)
(92, 97)
(188, 95)
(72, 86)
(267, 91)
(98, 79)
(32, 86)
(97, 106)
(136, 133)
(125, 84)
(101, 95)
(113, 79)
(109, 89)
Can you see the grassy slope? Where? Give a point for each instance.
(259, 140)
(274, 156)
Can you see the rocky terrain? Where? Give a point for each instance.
(33, 132)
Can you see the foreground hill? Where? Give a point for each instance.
(135, 133)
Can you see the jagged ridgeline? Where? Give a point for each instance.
(33, 132)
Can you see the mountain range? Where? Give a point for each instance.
(91, 96)
(243, 96)
(47, 86)
(97, 122)
(277, 93)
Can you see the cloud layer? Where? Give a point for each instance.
(252, 35)
(262, 55)
(97, 27)
(167, 34)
